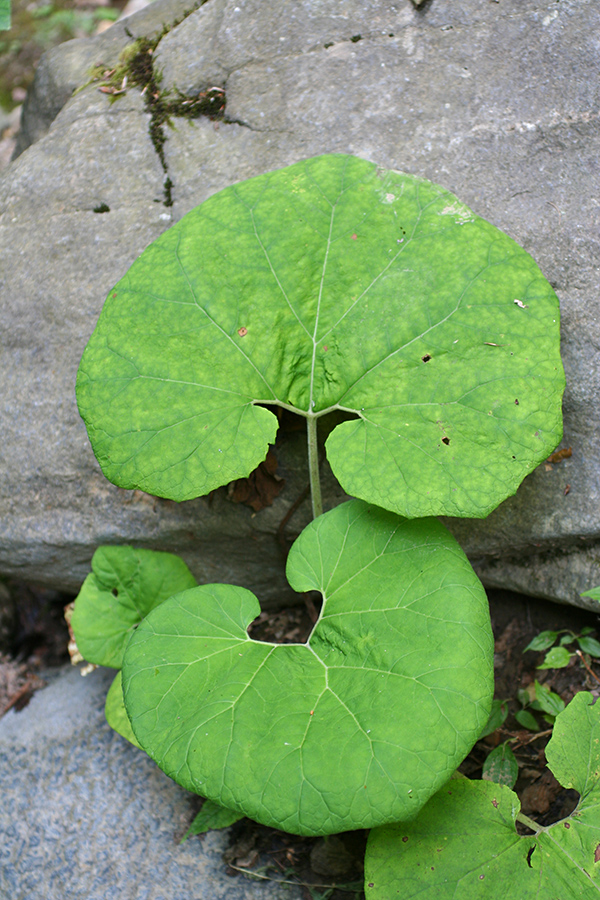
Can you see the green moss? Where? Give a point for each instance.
(135, 68)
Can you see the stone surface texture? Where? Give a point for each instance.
(496, 101)
(84, 814)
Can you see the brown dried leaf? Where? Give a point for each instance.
(261, 487)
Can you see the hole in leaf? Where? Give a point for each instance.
(445, 440)
(115, 592)
(529, 855)
(293, 625)
(426, 358)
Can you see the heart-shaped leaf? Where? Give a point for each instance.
(124, 585)
(464, 843)
(359, 726)
(116, 714)
(330, 285)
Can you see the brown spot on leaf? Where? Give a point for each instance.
(242, 331)
(404, 839)
(354, 236)
(567, 825)
(597, 854)
(495, 803)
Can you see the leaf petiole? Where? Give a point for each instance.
(313, 466)
(529, 823)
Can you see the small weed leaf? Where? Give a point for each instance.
(124, 585)
(589, 645)
(556, 658)
(498, 714)
(330, 285)
(356, 728)
(211, 817)
(542, 641)
(464, 843)
(546, 700)
(593, 594)
(501, 766)
(527, 720)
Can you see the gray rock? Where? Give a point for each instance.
(66, 67)
(84, 814)
(494, 101)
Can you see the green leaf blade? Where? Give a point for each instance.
(589, 645)
(355, 728)
(501, 766)
(464, 843)
(116, 714)
(211, 817)
(498, 715)
(124, 585)
(330, 284)
(556, 658)
(542, 641)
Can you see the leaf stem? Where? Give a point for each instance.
(525, 820)
(313, 466)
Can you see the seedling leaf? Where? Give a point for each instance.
(498, 715)
(124, 585)
(527, 720)
(556, 658)
(501, 766)
(542, 641)
(211, 817)
(589, 645)
(359, 726)
(330, 284)
(464, 842)
(546, 700)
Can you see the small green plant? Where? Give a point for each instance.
(331, 286)
(540, 698)
(559, 655)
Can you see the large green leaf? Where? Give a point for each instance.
(115, 712)
(124, 585)
(464, 844)
(359, 726)
(330, 284)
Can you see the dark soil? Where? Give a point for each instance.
(332, 867)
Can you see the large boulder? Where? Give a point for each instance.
(493, 100)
